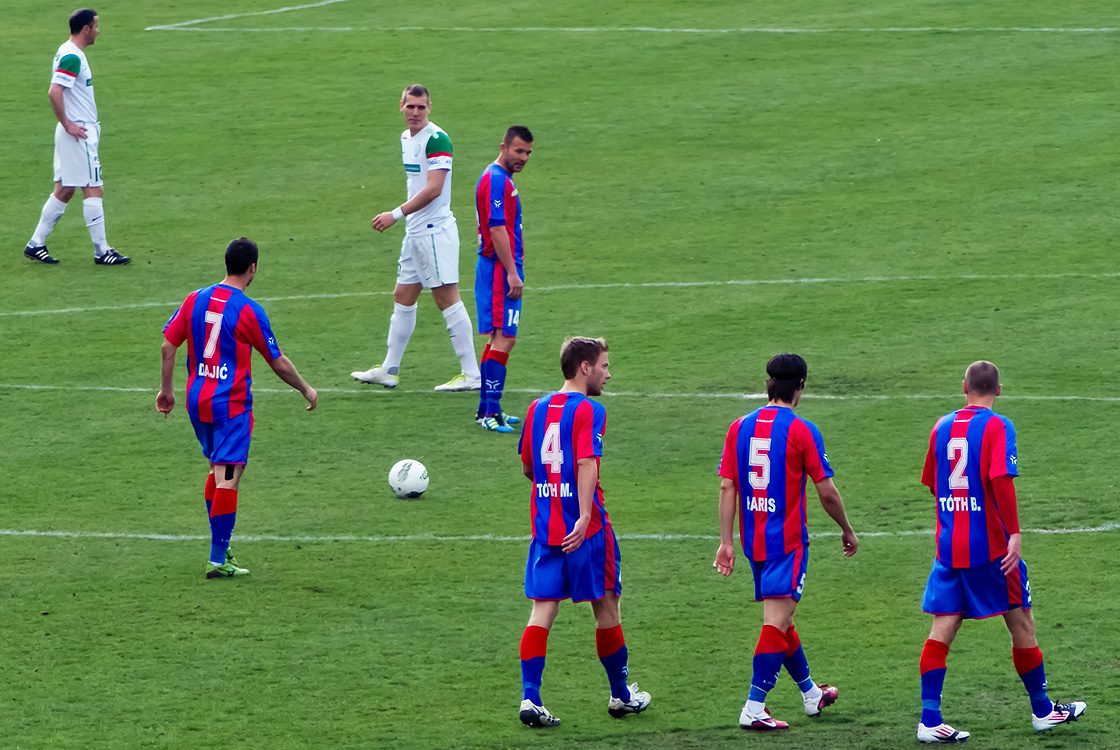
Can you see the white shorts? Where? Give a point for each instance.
(75, 161)
(430, 259)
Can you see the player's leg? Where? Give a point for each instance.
(52, 211)
(229, 455)
(546, 585)
(1027, 656)
(945, 599)
(401, 324)
(814, 697)
(769, 653)
(503, 315)
(461, 331)
(444, 283)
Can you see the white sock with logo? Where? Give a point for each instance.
(52, 212)
(460, 329)
(401, 326)
(94, 213)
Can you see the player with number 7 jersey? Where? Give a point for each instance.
(767, 456)
(221, 327)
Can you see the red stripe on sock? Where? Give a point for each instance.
(211, 485)
(534, 642)
(608, 640)
(793, 641)
(485, 353)
(499, 357)
(1026, 659)
(225, 502)
(771, 641)
(934, 654)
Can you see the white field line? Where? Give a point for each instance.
(622, 285)
(193, 26)
(187, 24)
(383, 393)
(470, 537)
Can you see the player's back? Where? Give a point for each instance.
(221, 327)
(559, 430)
(968, 449)
(769, 454)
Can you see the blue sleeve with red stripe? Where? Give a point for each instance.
(497, 211)
(254, 323)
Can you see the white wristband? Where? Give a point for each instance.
(398, 214)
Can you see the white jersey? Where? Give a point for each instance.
(427, 150)
(71, 72)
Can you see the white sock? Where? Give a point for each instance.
(94, 212)
(460, 329)
(813, 694)
(401, 326)
(52, 212)
(756, 708)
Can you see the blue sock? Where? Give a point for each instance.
(1028, 663)
(795, 663)
(932, 667)
(496, 382)
(223, 516)
(534, 643)
(484, 392)
(611, 647)
(768, 657)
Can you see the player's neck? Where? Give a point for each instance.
(573, 386)
(413, 131)
(980, 402)
(78, 42)
(779, 402)
(237, 282)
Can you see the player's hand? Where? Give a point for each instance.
(725, 559)
(515, 284)
(1014, 554)
(165, 402)
(74, 129)
(312, 397)
(383, 221)
(851, 543)
(575, 538)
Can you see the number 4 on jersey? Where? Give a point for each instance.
(551, 452)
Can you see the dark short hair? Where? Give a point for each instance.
(240, 254)
(982, 378)
(79, 19)
(579, 349)
(787, 375)
(517, 131)
(416, 90)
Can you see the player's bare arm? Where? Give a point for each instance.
(72, 128)
(505, 254)
(165, 400)
(527, 469)
(586, 482)
(834, 507)
(431, 191)
(286, 371)
(725, 555)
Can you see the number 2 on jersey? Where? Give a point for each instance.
(958, 456)
(214, 320)
(551, 452)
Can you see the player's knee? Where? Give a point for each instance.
(63, 194)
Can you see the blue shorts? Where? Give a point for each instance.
(983, 591)
(582, 576)
(491, 298)
(781, 578)
(225, 442)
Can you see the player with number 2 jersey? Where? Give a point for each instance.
(767, 456)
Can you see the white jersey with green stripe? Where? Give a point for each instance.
(71, 71)
(427, 150)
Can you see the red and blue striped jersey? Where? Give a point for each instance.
(221, 327)
(497, 204)
(969, 448)
(559, 430)
(779, 450)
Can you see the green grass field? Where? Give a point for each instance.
(891, 203)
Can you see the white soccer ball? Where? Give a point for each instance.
(408, 478)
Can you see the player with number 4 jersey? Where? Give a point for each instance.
(767, 456)
(573, 553)
(971, 465)
(221, 327)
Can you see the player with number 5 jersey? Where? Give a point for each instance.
(499, 274)
(221, 327)
(573, 553)
(767, 456)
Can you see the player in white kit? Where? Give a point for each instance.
(430, 250)
(76, 137)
